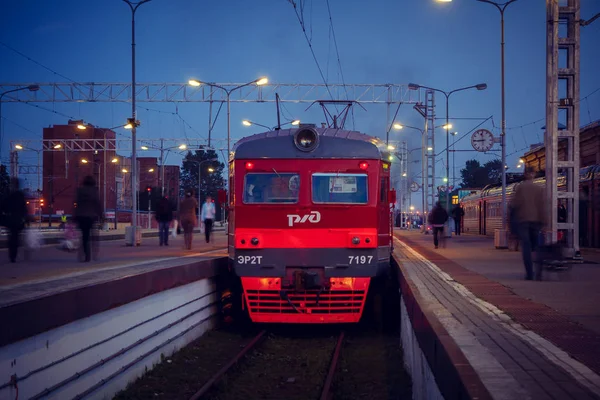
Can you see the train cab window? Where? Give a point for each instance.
(271, 188)
(339, 188)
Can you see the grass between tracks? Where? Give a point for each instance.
(288, 368)
(181, 375)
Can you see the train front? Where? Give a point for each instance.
(310, 223)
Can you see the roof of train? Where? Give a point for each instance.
(333, 143)
(588, 173)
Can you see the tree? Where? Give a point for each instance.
(4, 182)
(211, 181)
(494, 171)
(475, 175)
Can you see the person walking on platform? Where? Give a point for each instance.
(208, 216)
(164, 216)
(528, 204)
(187, 211)
(437, 218)
(457, 213)
(14, 217)
(88, 212)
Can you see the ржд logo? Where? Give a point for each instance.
(313, 218)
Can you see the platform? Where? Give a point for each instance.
(50, 270)
(524, 339)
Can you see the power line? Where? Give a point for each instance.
(544, 119)
(301, 21)
(338, 60)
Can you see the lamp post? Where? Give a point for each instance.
(502, 7)
(31, 88)
(104, 130)
(258, 82)
(133, 121)
(246, 122)
(399, 126)
(448, 126)
(21, 147)
(200, 183)
(162, 161)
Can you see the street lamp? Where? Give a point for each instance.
(31, 88)
(162, 149)
(399, 126)
(133, 122)
(257, 82)
(448, 126)
(200, 182)
(246, 122)
(502, 7)
(21, 147)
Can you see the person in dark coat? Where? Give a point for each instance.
(14, 217)
(164, 216)
(88, 212)
(457, 213)
(437, 219)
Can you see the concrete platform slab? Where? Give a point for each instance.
(511, 358)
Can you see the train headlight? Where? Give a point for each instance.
(306, 139)
(355, 240)
(254, 241)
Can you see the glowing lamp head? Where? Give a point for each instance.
(249, 165)
(363, 165)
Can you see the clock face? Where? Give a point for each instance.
(482, 140)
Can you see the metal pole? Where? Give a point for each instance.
(133, 135)
(105, 225)
(277, 106)
(162, 168)
(447, 155)
(210, 118)
(199, 199)
(38, 171)
(117, 198)
(1, 138)
(134, 174)
(149, 211)
(228, 150)
(503, 134)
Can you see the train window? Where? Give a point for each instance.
(339, 188)
(271, 188)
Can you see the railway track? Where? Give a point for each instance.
(212, 389)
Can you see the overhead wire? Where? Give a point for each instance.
(301, 21)
(337, 52)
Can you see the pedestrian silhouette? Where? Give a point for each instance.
(88, 212)
(14, 217)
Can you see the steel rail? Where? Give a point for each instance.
(217, 377)
(326, 392)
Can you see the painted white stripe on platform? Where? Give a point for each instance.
(576, 369)
(501, 384)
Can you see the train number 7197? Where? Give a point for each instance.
(360, 259)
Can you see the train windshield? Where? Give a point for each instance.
(339, 188)
(271, 188)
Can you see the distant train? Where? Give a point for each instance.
(483, 213)
(309, 223)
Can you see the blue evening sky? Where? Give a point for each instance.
(443, 45)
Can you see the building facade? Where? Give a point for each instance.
(63, 169)
(589, 149)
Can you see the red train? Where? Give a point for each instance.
(483, 213)
(310, 223)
